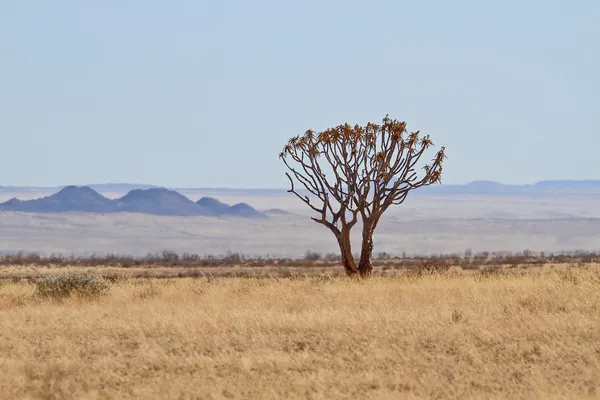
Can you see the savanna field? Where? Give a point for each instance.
(519, 333)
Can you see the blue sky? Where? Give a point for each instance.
(205, 94)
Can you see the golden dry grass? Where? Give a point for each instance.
(532, 334)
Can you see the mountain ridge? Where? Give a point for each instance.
(153, 201)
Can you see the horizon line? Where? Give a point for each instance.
(274, 188)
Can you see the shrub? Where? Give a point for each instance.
(332, 257)
(63, 286)
(311, 256)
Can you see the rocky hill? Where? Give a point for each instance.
(243, 210)
(68, 199)
(160, 202)
(237, 210)
(213, 204)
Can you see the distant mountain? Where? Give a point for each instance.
(14, 202)
(161, 201)
(155, 201)
(237, 210)
(70, 198)
(243, 210)
(213, 204)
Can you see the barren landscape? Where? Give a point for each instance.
(299, 200)
(472, 325)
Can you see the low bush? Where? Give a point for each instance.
(63, 286)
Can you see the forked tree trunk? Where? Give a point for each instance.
(364, 268)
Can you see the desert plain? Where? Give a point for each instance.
(518, 331)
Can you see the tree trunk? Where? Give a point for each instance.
(346, 252)
(365, 267)
(349, 265)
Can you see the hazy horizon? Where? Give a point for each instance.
(280, 188)
(424, 224)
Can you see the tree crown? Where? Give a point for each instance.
(352, 170)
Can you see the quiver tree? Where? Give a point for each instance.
(352, 173)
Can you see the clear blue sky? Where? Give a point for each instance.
(205, 94)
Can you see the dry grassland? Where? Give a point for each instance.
(458, 334)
